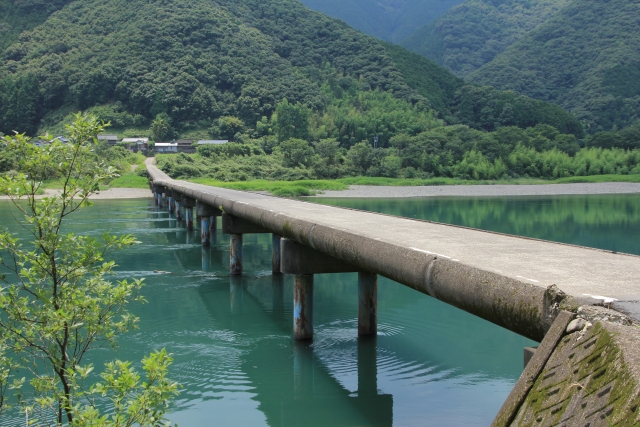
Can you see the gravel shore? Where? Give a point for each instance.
(369, 191)
(112, 193)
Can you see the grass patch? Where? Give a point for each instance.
(277, 188)
(130, 180)
(598, 178)
(312, 187)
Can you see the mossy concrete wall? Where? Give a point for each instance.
(591, 379)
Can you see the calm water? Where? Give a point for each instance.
(431, 364)
(600, 221)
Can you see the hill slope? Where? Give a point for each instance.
(389, 20)
(17, 16)
(473, 33)
(195, 61)
(586, 58)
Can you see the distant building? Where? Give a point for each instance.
(212, 141)
(136, 144)
(110, 139)
(166, 147)
(186, 146)
(61, 139)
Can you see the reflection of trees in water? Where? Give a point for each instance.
(602, 221)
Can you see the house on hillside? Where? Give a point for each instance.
(185, 146)
(136, 144)
(212, 141)
(166, 147)
(61, 139)
(109, 139)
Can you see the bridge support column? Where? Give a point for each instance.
(304, 262)
(207, 216)
(367, 303)
(189, 204)
(169, 202)
(178, 209)
(157, 191)
(275, 254)
(236, 227)
(303, 307)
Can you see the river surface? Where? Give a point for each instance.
(430, 365)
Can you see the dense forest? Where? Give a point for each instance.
(452, 151)
(581, 55)
(389, 20)
(585, 58)
(473, 33)
(201, 61)
(299, 94)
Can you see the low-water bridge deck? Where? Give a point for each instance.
(519, 283)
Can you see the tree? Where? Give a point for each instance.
(161, 127)
(55, 302)
(292, 121)
(229, 126)
(296, 152)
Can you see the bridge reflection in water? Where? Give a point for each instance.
(305, 392)
(336, 379)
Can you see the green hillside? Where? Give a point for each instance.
(17, 16)
(198, 68)
(389, 20)
(473, 33)
(586, 58)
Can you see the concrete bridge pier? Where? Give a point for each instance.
(304, 262)
(179, 208)
(157, 192)
(367, 304)
(236, 227)
(303, 307)
(189, 204)
(208, 215)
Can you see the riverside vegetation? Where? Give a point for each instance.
(441, 155)
(57, 305)
(300, 95)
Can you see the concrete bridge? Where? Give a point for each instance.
(542, 290)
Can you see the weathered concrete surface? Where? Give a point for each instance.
(504, 279)
(296, 258)
(532, 370)
(591, 379)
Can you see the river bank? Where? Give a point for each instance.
(371, 191)
(110, 194)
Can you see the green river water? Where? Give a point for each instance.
(430, 365)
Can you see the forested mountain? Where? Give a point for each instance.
(585, 58)
(583, 55)
(17, 16)
(473, 33)
(389, 20)
(190, 63)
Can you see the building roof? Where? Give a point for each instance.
(212, 141)
(184, 141)
(61, 139)
(107, 136)
(132, 140)
(166, 144)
